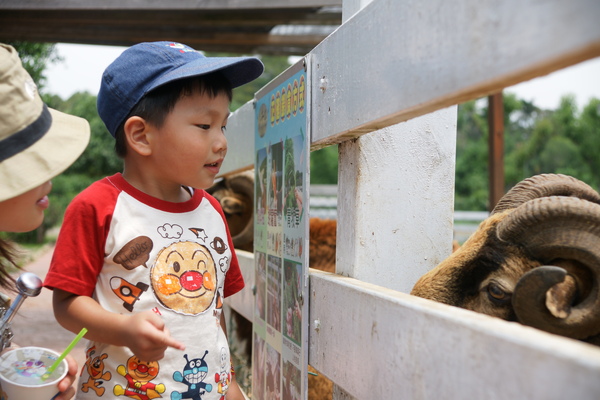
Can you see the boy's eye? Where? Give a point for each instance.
(203, 126)
(224, 128)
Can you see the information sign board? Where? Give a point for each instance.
(280, 350)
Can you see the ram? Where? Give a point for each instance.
(535, 260)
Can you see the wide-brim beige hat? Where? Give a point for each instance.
(36, 142)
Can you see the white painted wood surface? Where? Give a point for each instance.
(395, 201)
(389, 63)
(377, 343)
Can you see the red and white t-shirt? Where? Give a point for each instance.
(132, 252)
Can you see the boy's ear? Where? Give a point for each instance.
(136, 135)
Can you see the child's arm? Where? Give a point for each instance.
(144, 333)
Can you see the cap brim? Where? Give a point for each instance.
(238, 70)
(64, 142)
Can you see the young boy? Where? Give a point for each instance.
(145, 258)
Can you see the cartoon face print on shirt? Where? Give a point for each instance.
(184, 277)
(139, 375)
(193, 375)
(94, 365)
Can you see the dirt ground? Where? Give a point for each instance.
(34, 324)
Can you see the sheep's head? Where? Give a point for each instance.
(236, 195)
(535, 260)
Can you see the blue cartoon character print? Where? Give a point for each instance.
(194, 373)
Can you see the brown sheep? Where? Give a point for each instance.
(535, 260)
(236, 196)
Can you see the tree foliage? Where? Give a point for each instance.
(536, 141)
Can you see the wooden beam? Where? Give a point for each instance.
(163, 5)
(226, 30)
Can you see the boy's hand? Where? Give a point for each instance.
(146, 336)
(67, 391)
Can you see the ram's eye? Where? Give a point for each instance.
(497, 294)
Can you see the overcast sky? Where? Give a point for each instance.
(83, 66)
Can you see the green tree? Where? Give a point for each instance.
(535, 141)
(324, 166)
(471, 176)
(586, 134)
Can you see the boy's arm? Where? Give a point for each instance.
(144, 333)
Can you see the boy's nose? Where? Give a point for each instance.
(221, 145)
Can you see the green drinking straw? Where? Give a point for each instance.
(64, 354)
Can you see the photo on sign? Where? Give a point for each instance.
(258, 370)
(293, 182)
(291, 300)
(260, 260)
(273, 374)
(275, 184)
(291, 382)
(274, 292)
(260, 186)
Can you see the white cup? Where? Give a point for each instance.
(21, 370)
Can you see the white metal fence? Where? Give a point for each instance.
(384, 86)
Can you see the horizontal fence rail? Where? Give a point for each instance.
(418, 349)
(396, 60)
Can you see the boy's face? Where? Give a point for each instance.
(189, 148)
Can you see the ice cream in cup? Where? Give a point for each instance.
(21, 372)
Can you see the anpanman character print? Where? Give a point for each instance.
(184, 277)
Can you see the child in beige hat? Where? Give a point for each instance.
(36, 144)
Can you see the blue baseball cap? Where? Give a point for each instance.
(146, 66)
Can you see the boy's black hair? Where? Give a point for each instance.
(158, 103)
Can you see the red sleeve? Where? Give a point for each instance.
(234, 281)
(79, 253)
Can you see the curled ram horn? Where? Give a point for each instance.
(545, 185)
(563, 233)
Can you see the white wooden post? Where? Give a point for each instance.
(395, 196)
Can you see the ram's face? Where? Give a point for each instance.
(481, 275)
(493, 294)
(535, 260)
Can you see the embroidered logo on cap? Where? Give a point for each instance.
(181, 47)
